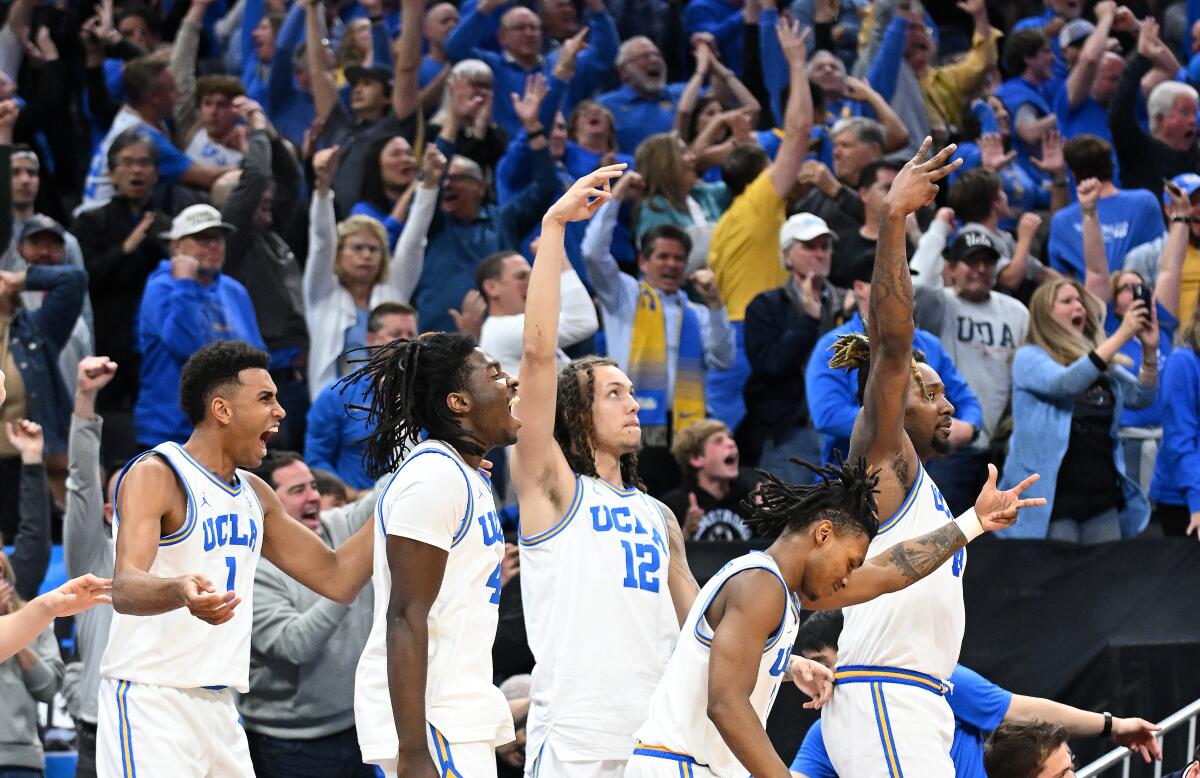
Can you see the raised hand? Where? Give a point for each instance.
(991, 151)
(26, 437)
(528, 105)
(251, 111)
(1138, 736)
(94, 374)
(691, 522)
(1052, 160)
(568, 55)
(433, 165)
(628, 186)
(793, 41)
(704, 281)
(1125, 21)
(1088, 193)
(812, 678)
(996, 509)
(585, 196)
(203, 600)
(946, 216)
(1027, 226)
(77, 595)
(1180, 204)
(324, 166)
(915, 186)
(704, 58)
(469, 321)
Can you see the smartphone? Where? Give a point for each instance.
(1142, 292)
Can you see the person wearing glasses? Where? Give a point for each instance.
(188, 303)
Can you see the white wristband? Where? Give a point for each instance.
(970, 525)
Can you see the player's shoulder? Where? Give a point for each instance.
(429, 468)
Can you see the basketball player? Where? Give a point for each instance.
(709, 712)
(604, 577)
(190, 524)
(888, 716)
(423, 694)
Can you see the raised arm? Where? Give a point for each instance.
(408, 257)
(1170, 264)
(895, 134)
(1095, 256)
(406, 90)
(797, 116)
(84, 533)
(905, 563)
(320, 75)
(1081, 77)
(539, 468)
(879, 434)
(319, 279)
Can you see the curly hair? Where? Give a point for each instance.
(852, 351)
(845, 496)
(573, 420)
(411, 380)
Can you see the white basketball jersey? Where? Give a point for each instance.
(220, 539)
(206, 151)
(436, 498)
(600, 620)
(678, 718)
(920, 627)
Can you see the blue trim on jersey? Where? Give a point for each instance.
(232, 491)
(880, 674)
(189, 522)
(537, 762)
(886, 739)
(659, 752)
(628, 491)
(541, 537)
(460, 533)
(124, 732)
(706, 640)
(444, 755)
(909, 499)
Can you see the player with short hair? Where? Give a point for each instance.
(896, 650)
(424, 700)
(190, 523)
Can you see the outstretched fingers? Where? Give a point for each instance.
(1028, 482)
(922, 152)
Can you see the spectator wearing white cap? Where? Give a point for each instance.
(188, 303)
(782, 326)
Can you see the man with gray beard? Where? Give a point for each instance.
(645, 104)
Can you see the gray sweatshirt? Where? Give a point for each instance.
(20, 693)
(87, 548)
(304, 648)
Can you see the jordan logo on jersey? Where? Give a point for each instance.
(229, 530)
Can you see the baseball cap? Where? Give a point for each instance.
(40, 223)
(377, 72)
(1074, 31)
(968, 241)
(803, 226)
(1188, 182)
(195, 219)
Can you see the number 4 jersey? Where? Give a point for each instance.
(600, 621)
(435, 498)
(220, 539)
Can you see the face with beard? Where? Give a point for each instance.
(928, 414)
(642, 66)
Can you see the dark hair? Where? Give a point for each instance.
(870, 171)
(491, 268)
(852, 351)
(702, 102)
(328, 483)
(820, 631)
(1019, 749)
(973, 193)
(142, 12)
(134, 136)
(845, 496)
(141, 77)
(212, 369)
(1089, 156)
(667, 232)
(218, 84)
(742, 166)
(372, 189)
(573, 420)
(412, 379)
(375, 318)
(272, 462)
(1022, 45)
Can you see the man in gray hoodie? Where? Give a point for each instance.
(299, 713)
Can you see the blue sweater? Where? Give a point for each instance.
(1043, 402)
(290, 108)
(1177, 470)
(177, 317)
(333, 440)
(833, 394)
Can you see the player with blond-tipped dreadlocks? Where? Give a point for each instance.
(896, 651)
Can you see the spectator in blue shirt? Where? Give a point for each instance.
(187, 304)
(832, 393)
(979, 706)
(1128, 217)
(335, 432)
(289, 93)
(1028, 57)
(521, 40)
(1082, 104)
(1176, 484)
(258, 34)
(645, 104)
(439, 22)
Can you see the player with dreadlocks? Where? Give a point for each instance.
(423, 694)
(710, 710)
(889, 716)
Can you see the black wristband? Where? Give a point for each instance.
(1107, 725)
(1100, 364)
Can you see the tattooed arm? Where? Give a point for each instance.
(908, 562)
(879, 431)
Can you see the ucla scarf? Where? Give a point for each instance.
(648, 363)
